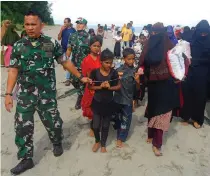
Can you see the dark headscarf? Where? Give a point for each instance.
(149, 28)
(10, 36)
(155, 52)
(96, 38)
(200, 47)
(91, 32)
(192, 28)
(187, 34)
(171, 35)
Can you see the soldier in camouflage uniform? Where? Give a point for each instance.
(32, 65)
(78, 45)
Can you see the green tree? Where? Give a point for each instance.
(15, 10)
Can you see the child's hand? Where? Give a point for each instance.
(103, 85)
(107, 84)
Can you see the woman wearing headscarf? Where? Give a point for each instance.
(187, 34)
(172, 37)
(149, 28)
(177, 31)
(8, 40)
(162, 90)
(4, 27)
(91, 32)
(195, 86)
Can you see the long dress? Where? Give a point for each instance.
(117, 49)
(195, 87)
(87, 66)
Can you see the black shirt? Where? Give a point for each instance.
(104, 95)
(125, 95)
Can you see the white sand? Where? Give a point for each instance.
(186, 150)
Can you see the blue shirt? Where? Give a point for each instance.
(65, 36)
(133, 29)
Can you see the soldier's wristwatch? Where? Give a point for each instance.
(8, 94)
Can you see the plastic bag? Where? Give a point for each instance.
(176, 60)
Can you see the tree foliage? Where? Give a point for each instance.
(15, 10)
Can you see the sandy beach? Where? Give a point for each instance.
(186, 150)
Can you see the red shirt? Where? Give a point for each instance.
(89, 64)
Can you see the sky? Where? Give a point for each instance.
(141, 12)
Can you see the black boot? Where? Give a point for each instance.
(57, 150)
(78, 103)
(23, 166)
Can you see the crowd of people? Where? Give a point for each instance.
(105, 93)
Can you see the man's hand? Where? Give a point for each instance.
(60, 33)
(63, 27)
(86, 80)
(8, 103)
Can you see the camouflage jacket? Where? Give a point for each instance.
(79, 43)
(35, 60)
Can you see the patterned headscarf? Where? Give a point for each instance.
(171, 35)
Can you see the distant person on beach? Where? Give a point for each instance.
(124, 27)
(98, 26)
(4, 27)
(105, 82)
(126, 36)
(37, 92)
(78, 47)
(105, 31)
(139, 44)
(130, 82)
(162, 90)
(101, 31)
(113, 30)
(9, 38)
(195, 86)
(117, 46)
(133, 34)
(91, 62)
(65, 31)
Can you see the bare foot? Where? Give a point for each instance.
(185, 123)
(119, 144)
(196, 125)
(156, 151)
(103, 150)
(96, 146)
(91, 133)
(149, 140)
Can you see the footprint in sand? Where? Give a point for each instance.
(124, 153)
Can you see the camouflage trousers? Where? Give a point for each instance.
(46, 105)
